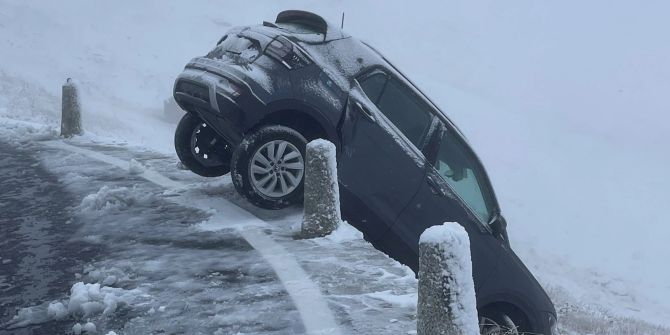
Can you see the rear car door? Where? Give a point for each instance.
(381, 166)
(455, 189)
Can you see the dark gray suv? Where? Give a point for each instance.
(264, 91)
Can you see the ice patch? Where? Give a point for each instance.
(114, 198)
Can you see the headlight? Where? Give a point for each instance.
(287, 53)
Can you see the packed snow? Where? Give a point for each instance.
(182, 257)
(86, 300)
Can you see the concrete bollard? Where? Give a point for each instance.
(447, 304)
(71, 110)
(322, 193)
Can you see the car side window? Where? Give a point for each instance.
(460, 169)
(373, 86)
(406, 111)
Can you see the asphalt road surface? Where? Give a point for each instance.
(38, 259)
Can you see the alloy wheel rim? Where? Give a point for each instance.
(488, 326)
(276, 168)
(205, 145)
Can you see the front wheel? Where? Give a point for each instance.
(268, 167)
(497, 323)
(200, 148)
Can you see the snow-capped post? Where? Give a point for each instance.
(71, 110)
(322, 193)
(447, 304)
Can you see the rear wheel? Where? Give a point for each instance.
(268, 167)
(200, 148)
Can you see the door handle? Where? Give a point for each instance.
(435, 187)
(364, 111)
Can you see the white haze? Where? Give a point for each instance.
(566, 102)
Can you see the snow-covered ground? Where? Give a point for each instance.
(167, 251)
(566, 103)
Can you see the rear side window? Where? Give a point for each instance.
(409, 114)
(459, 168)
(373, 86)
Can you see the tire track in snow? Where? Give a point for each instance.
(314, 312)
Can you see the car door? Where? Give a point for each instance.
(380, 169)
(455, 189)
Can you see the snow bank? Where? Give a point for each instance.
(89, 299)
(15, 131)
(86, 301)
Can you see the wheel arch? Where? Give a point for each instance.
(304, 118)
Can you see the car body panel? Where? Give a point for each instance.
(375, 167)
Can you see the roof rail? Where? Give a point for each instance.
(304, 18)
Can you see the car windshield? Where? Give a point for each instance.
(466, 177)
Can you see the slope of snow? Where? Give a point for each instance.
(566, 102)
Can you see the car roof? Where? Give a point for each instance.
(342, 56)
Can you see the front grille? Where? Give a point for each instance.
(195, 90)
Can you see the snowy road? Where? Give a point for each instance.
(170, 277)
(175, 253)
(37, 258)
(177, 260)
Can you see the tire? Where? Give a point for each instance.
(268, 167)
(200, 148)
(493, 322)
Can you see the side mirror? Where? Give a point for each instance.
(499, 228)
